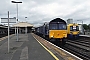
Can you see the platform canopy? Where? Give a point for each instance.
(23, 24)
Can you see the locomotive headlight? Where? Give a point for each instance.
(51, 36)
(65, 35)
(71, 32)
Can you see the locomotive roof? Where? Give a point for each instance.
(72, 24)
(58, 20)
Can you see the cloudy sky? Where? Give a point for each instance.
(40, 11)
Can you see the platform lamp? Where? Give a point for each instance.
(26, 19)
(17, 14)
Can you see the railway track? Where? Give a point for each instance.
(79, 47)
(57, 50)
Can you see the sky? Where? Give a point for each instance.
(40, 11)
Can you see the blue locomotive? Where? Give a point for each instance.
(55, 31)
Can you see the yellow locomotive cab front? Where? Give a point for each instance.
(58, 34)
(73, 31)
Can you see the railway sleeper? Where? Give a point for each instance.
(87, 49)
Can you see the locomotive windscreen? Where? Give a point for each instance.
(57, 26)
(74, 28)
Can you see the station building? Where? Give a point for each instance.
(23, 27)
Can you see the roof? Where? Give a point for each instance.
(23, 24)
(3, 26)
(58, 20)
(72, 24)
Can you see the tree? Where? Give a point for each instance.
(85, 26)
(89, 27)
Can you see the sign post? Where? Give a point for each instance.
(8, 20)
(8, 33)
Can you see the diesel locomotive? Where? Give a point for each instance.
(55, 31)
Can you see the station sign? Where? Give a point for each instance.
(5, 20)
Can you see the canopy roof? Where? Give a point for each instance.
(23, 24)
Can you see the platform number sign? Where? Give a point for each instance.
(74, 27)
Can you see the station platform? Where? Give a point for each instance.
(27, 48)
(84, 35)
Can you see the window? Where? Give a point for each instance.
(53, 26)
(62, 26)
(74, 28)
(57, 26)
(71, 28)
(77, 28)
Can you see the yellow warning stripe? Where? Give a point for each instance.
(47, 50)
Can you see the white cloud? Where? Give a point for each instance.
(40, 11)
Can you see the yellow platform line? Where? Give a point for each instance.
(47, 50)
